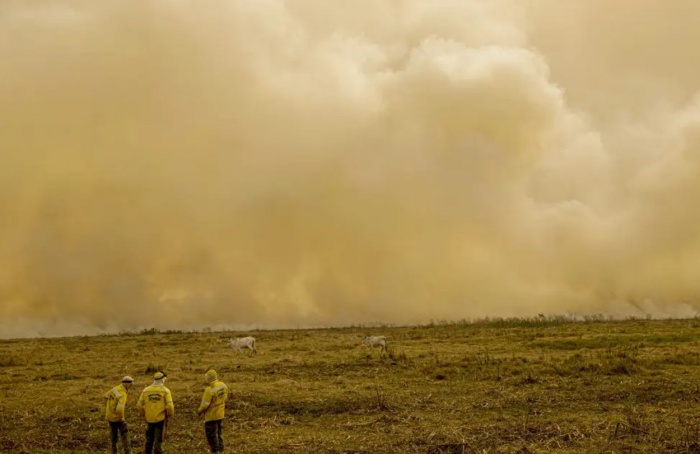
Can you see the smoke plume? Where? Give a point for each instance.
(288, 163)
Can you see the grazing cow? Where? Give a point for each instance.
(374, 341)
(243, 342)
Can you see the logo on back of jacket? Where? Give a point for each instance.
(154, 397)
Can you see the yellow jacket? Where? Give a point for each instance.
(156, 403)
(214, 401)
(116, 402)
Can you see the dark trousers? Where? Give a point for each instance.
(213, 431)
(154, 437)
(117, 429)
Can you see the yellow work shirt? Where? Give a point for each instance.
(156, 403)
(116, 402)
(214, 401)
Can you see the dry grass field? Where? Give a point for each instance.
(498, 386)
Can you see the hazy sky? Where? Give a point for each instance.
(294, 163)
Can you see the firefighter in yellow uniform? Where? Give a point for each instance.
(212, 407)
(116, 404)
(156, 406)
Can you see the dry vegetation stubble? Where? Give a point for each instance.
(502, 386)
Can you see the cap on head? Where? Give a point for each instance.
(159, 375)
(127, 379)
(211, 375)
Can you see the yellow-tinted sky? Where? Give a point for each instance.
(293, 163)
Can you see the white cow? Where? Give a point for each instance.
(374, 341)
(243, 342)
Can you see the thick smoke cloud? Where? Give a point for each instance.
(294, 163)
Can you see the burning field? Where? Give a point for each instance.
(495, 386)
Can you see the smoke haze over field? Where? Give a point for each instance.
(277, 163)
